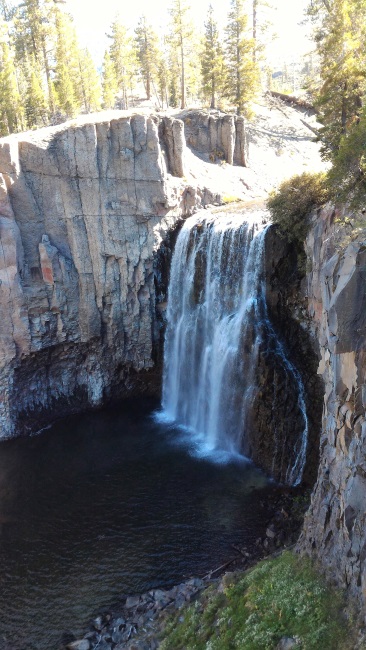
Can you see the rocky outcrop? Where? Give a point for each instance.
(84, 208)
(219, 135)
(335, 526)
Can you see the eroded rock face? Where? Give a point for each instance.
(221, 136)
(84, 207)
(335, 526)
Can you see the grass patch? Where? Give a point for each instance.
(228, 198)
(281, 597)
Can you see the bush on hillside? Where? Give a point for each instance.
(291, 205)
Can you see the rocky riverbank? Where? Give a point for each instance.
(138, 624)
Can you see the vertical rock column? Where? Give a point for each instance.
(335, 526)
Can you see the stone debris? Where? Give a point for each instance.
(138, 623)
(135, 626)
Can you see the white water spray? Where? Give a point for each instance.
(215, 322)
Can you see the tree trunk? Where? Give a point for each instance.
(255, 6)
(213, 93)
(344, 109)
(183, 88)
(48, 76)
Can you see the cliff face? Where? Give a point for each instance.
(335, 526)
(84, 209)
(277, 421)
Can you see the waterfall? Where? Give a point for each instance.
(216, 322)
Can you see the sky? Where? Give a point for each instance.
(92, 20)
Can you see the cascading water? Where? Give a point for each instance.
(216, 322)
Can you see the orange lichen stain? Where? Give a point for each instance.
(47, 274)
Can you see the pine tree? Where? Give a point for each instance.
(163, 76)
(146, 42)
(242, 70)
(109, 82)
(124, 60)
(212, 61)
(12, 117)
(262, 31)
(340, 34)
(174, 77)
(340, 96)
(7, 10)
(67, 78)
(181, 37)
(33, 33)
(89, 82)
(36, 105)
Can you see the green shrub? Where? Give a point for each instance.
(291, 205)
(281, 597)
(347, 176)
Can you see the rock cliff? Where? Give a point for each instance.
(335, 526)
(84, 208)
(276, 422)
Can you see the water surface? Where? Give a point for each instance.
(106, 504)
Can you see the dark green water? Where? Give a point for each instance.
(106, 504)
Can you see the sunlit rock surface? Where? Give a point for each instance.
(83, 209)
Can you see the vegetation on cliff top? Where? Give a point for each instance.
(46, 77)
(291, 205)
(281, 597)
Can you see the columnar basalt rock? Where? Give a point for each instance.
(335, 526)
(276, 423)
(218, 135)
(83, 209)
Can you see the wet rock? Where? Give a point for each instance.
(228, 579)
(82, 644)
(119, 623)
(98, 623)
(270, 532)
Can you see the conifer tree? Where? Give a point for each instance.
(36, 105)
(181, 36)
(262, 31)
(11, 111)
(212, 61)
(109, 82)
(7, 10)
(163, 76)
(242, 70)
(124, 60)
(67, 77)
(340, 34)
(89, 82)
(33, 33)
(174, 77)
(146, 42)
(340, 96)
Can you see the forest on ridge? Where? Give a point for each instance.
(47, 77)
